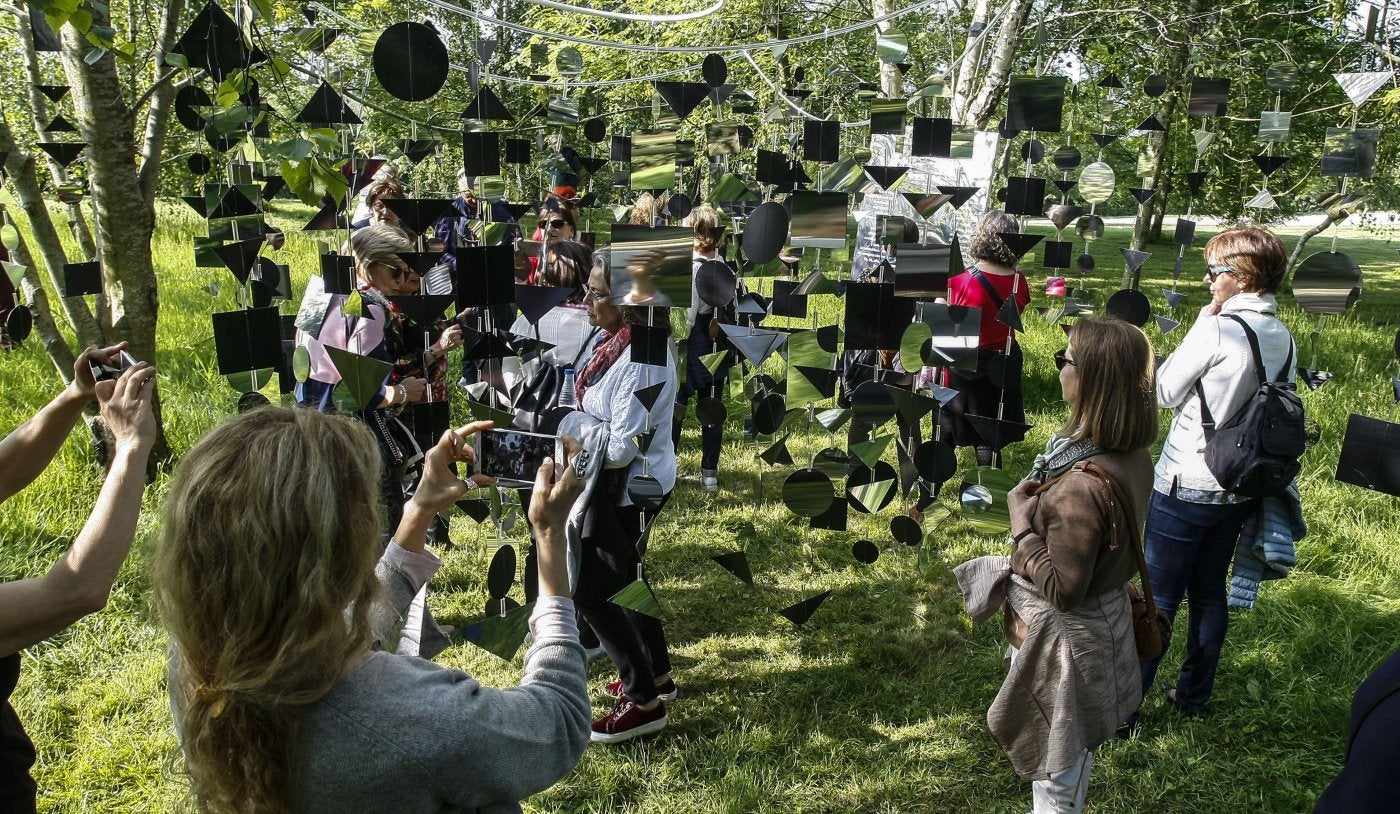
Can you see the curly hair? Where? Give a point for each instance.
(575, 274)
(986, 239)
(264, 577)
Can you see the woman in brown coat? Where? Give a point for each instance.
(1075, 521)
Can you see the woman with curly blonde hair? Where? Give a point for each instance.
(278, 594)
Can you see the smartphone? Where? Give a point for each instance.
(513, 457)
(113, 369)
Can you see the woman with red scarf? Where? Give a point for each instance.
(613, 523)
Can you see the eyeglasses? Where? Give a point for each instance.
(1061, 360)
(591, 293)
(1213, 272)
(553, 224)
(399, 272)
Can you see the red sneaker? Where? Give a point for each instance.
(666, 692)
(627, 721)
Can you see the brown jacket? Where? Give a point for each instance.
(1072, 551)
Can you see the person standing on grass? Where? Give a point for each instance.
(284, 696)
(1075, 523)
(1194, 524)
(704, 338)
(32, 610)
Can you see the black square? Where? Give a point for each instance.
(485, 275)
(82, 278)
(621, 149)
(1185, 232)
(1058, 254)
(649, 344)
(932, 138)
(785, 303)
(875, 317)
(1035, 103)
(1025, 196)
(481, 153)
(517, 151)
(1208, 97)
(248, 340)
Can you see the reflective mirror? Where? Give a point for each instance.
(1096, 182)
(1327, 283)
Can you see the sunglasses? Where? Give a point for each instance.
(1213, 272)
(399, 273)
(1061, 360)
(553, 224)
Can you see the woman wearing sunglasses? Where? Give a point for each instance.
(376, 331)
(1194, 524)
(1075, 522)
(556, 221)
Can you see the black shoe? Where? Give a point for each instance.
(1185, 709)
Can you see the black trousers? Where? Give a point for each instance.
(611, 559)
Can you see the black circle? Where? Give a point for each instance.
(1155, 85)
(1130, 306)
(251, 401)
(1033, 151)
(595, 130)
(935, 461)
(500, 575)
(646, 492)
(715, 70)
(710, 411)
(808, 492)
(19, 323)
(906, 530)
(678, 205)
(715, 283)
(863, 476)
(768, 414)
(1002, 370)
(1066, 157)
(872, 403)
(410, 61)
(765, 233)
(187, 100)
(865, 552)
(832, 461)
(759, 385)
(199, 163)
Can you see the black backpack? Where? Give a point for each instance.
(1255, 453)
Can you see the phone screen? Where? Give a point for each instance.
(513, 457)
(103, 372)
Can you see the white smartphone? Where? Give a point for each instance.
(513, 457)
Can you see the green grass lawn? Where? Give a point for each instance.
(878, 704)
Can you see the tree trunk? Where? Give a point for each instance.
(36, 210)
(45, 328)
(125, 219)
(1162, 164)
(968, 68)
(891, 86)
(977, 109)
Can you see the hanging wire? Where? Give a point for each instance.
(633, 18)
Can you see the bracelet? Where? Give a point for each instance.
(1024, 533)
(390, 393)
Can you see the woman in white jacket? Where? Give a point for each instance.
(1194, 523)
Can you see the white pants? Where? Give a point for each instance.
(1063, 792)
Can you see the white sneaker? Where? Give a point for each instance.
(709, 480)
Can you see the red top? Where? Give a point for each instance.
(964, 289)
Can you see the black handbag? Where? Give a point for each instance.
(537, 402)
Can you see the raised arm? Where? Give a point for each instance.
(1058, 538)
(31, 610)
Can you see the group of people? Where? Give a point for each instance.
(291, 693)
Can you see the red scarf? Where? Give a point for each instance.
(610, 348)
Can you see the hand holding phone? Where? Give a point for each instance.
(514, 457)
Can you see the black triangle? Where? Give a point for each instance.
(423, 309)
(592, 163)
(329, 217)
(683, 97)
(64, 152)
(416, 150)
(537, 300)
(1010, 316)
(648, 395)
(719, 94)
(1134, 258)
(1151, 123)
(240, 256)
(215, 43)
(197, 203)
(417, 214)
(1314, 378)
(1142, 195)
(487, 106)
(799, 614)
(54, 92)
(60, 125)
(272, 185)
(1269, 164)
(777, 454)
(1103, 139)
(886, 177)
(1064, 184)
(1195, 180)
(234, 204)
(961, 195)
(1019, 242)
(327, 106)
(997, 433)
(736, 563)
(1110, 81)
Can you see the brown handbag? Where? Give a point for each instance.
(1152, 629)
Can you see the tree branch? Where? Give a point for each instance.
(161, 95)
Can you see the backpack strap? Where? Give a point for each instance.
(1208, 421)
(987, 286)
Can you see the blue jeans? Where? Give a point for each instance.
(1189, 548)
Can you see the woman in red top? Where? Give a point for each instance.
(994, 389)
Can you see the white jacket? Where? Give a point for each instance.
(1215, 353)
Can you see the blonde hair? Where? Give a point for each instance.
(704, 220)
(378, 243)
(264, 578)
(1117, 403)
(646, 210)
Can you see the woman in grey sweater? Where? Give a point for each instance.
(271, 577)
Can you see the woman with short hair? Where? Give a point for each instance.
(281, 599)
(1194, 523)
(1075, 522)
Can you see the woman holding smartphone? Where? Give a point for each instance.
(613, 523)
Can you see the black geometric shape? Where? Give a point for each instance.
(865, 552)
(197, 203)
(423, 309)
(416, 215)
(410, 61)
(491, 279)
(1058, 254)
(1064, 185)
(1025, 196)
(647, 396)
(1103, 139)
(500, 575)
(1314, 378)
(1208, 96)
(1111, 81)
(234, 204)
(1269, 164)
(931, 138)
(488, 107)
(215, 43)
(1185, 234)
(683, 97)
(60, 125)
(1019, 242)
(649, 344)
(997, 434)
(481, 152)
(1129, 305)
(517, 151)
(1134, 258)
(240, 256)
(822, 379)
(735, 562)
(777, 454)
(246, 340)
(54, 92)
(885, 177)
(799, 614)
(714, 69)
(64, 152)
(821, 140)
(82, 278)
(1370, 455)
(1151, 124)
(1174, 298)
(961, 195)
(326, 218)
(1142, 195)
(1165, 324)
(326, 107)
(1195, 180)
